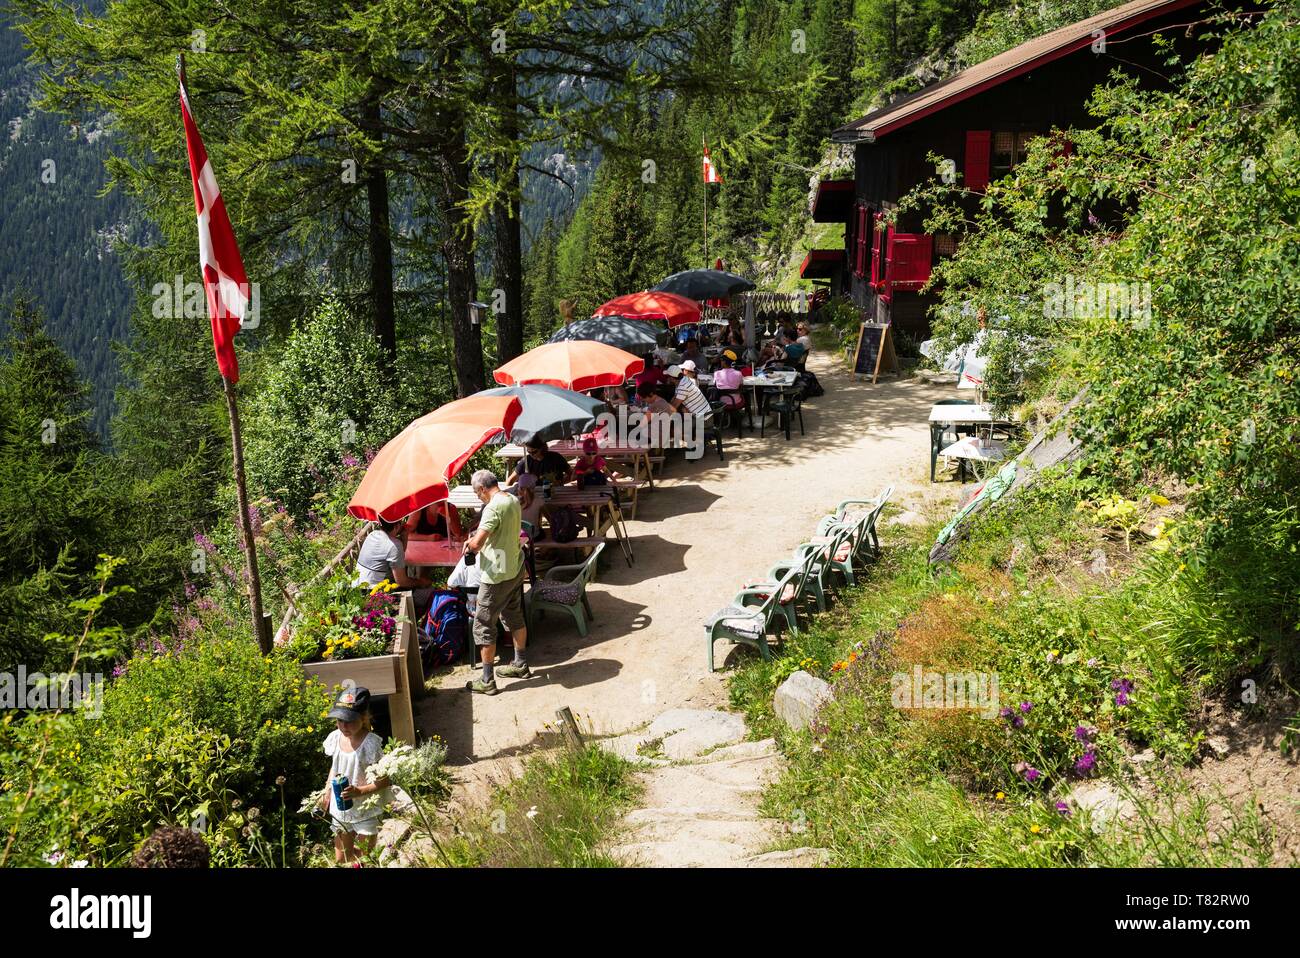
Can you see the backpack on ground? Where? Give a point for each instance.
(445, 629)
(811, 387)
(564, 524)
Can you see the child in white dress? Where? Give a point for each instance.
(352, 748)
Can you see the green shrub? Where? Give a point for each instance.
(216, 737)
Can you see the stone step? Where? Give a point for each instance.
(751, 835)
(680, 854)
(791, 858)
(686, 813)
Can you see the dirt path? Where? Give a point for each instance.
(707, 528)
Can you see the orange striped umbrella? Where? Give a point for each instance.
(415, 466)
(651, 305)
(577, 364)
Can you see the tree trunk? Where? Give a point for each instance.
(458, 253)
(509, 269)
(508, 239)
(381, 259)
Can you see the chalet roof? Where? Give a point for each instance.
(1001, 68)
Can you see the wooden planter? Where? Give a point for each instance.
(398, 675)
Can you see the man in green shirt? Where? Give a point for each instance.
(501, 590)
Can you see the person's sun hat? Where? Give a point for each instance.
(526, 480)
(730, 354)
(673, 371)
(689, 366)
(589, 446)
(351, 704)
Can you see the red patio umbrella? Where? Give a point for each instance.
(652, 305)
(577, 364)
(415, 466)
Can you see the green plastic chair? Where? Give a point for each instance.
(867, 545)
(753, 613)
(558, 594)
(822, 556)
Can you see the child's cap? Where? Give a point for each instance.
(351, 704)
(589, 446)
(526, 480)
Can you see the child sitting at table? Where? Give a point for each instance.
(591, 467)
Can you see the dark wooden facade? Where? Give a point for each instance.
(983, 129)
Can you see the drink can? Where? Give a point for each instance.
(340, 783)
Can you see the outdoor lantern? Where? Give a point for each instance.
(476, 311)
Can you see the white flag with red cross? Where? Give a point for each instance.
(224, 279)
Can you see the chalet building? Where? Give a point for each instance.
(982, 119)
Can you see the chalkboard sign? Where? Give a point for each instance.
(875, 352)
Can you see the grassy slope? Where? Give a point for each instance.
(885, 786)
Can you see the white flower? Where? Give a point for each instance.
(53, 857)
(532, 812)
(311, 801)
(80, 863)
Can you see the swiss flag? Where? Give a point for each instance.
(711, 174)
(224, 279)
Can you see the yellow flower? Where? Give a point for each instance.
(1035, 829)
(1000, 795)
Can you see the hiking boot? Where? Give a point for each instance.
(513, 671)
(486, 688)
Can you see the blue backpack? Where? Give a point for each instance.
(442, 637)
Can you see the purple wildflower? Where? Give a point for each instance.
(1063, 808)
(1026, 707)
(1121, 699)
(1017, 722)
(1123, 685)
(1084, 734)
(350, 460)
(1086, 764)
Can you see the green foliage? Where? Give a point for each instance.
(215, 736)
(64, 501)
(556, 815)
(324, 397)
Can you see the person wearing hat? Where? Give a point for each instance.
(501, 591)
(686, 393)
(728, 381)
(591, 467)
(355, 809)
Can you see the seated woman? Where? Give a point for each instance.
(805, 336)
(433, 521)
(530, 505)
(542, 462)
(615, 396)
(728, 381)
(591, 468)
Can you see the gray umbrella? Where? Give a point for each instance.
(634, 336)
(550, 412)
(704, 284)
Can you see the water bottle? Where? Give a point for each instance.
(340, 783)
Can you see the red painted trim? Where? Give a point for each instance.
(1013, 72)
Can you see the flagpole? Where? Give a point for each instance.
(261, 620)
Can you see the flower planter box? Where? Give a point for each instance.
(398, 675)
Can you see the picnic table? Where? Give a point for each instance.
(943, 415)
(639, 456)
(777, 379)
(602, 506)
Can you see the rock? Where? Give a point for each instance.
(791, 858)
(688, 732)
(906, 518)
(1218, 746)
(1098, 566)
(1102, 801)
(800, 696)
(1143, 757)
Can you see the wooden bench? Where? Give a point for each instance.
(398, 675)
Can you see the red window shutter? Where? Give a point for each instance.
(878, 254)
(909, 258)
(977, 159)
(861, 232)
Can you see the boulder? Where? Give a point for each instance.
(1102, 801)
(799, 697)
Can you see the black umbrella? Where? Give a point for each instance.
(633, 336)
(550, 412)
(704, 284)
